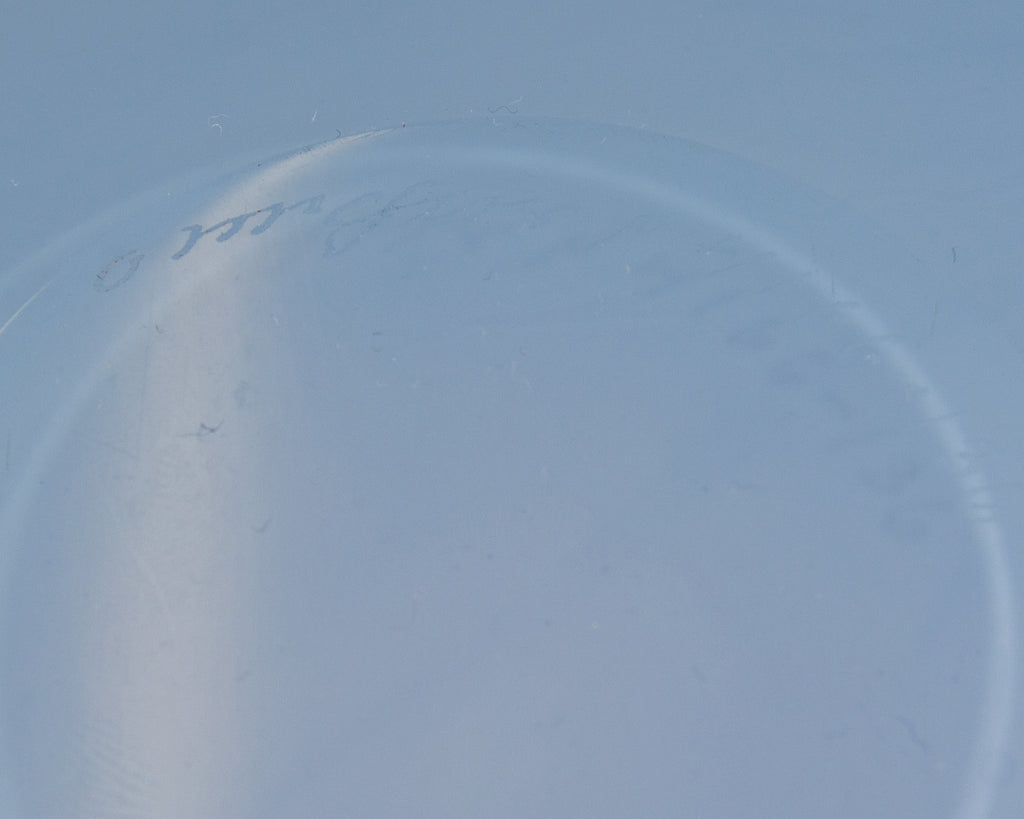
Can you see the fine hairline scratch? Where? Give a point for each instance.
(21, 309)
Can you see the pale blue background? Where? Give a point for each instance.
(908, 113)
